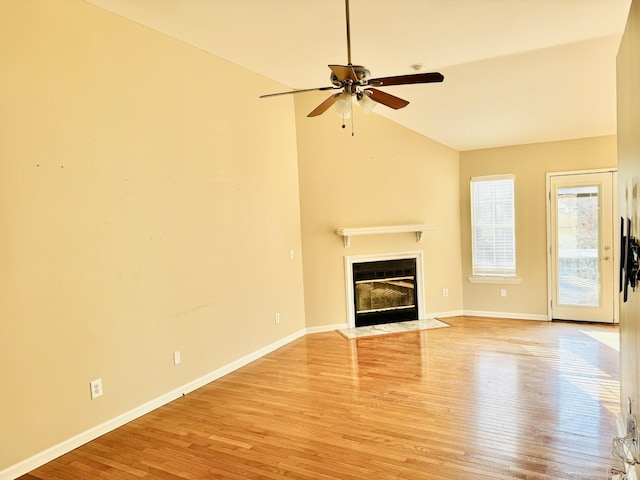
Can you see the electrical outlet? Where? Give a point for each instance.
(291, 254)
(445, 292)
(96, 388)
(503, 292)
(176, 358)
(277, 318)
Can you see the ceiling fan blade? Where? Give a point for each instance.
(297, 91)
(386, 99)
(432, 77)
(324, 106)
(344, 72)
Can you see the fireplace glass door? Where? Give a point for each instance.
(385, 291)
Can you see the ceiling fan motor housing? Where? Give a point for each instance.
(362, 74)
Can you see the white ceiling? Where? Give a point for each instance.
(516, 71)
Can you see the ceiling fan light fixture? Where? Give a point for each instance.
(343, 104)
(365, 102)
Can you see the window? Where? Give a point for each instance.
(493, 241)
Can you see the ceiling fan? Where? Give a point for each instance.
(355, 81)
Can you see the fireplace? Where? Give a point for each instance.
(384, 288)
(384, 291)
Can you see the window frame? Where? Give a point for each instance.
(500, 274)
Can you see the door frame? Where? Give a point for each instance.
(616, 237)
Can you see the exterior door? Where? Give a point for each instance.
(581, 247)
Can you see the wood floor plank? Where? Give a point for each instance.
(482, 399)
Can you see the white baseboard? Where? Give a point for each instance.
(515, 316)
(64, 447)
(451, 313)
(327, 328)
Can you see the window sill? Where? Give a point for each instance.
(502, 280)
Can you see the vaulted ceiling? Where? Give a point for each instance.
(515, 71)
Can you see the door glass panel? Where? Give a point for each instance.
(578, 246)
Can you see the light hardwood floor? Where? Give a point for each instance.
(482, 399)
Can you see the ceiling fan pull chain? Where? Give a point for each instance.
(353, 133)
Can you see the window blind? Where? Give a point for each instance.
(493, 226)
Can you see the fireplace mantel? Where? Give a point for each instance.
(347, 233)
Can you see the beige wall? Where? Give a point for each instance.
(144, 189)
(628, 75)
(529, 164)
(384, 175)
